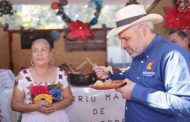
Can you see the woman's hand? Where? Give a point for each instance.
(45, 107)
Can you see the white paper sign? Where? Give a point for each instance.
(92, 105)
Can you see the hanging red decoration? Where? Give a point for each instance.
(54, 5)
(78, 31)
(178, 18)
(175, 20)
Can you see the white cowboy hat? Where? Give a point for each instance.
(131, 15)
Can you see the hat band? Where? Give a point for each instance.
(128, 20)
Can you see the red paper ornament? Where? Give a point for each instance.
(79, 31)
(55, 5)
(176, 20)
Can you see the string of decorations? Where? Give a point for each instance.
(77, 30)
(6, 8)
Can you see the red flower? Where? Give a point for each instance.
(175, 20)
(28, 79)
(36, 90)
(79, 31)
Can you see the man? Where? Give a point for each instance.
(180, 38)
(158, 80)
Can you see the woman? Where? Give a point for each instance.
(42, 92)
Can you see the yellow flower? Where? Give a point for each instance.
(45, 97)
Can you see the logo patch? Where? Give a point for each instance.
(148, 74)
(150, 65)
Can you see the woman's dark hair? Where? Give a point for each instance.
(180, 33)
(40, 36)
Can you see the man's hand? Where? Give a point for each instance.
(127, 89)
(101, 71)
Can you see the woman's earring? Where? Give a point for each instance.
(51, 61)
(31, 62)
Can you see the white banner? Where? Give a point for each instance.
(92, 105)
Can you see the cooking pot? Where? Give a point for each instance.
(82, 78)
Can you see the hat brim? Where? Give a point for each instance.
(155, 18)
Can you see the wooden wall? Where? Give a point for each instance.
(4, 49)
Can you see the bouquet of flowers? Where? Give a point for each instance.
(50, 93)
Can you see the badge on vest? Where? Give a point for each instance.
(148, 74)
(149, 67)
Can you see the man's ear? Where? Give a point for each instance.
(143, 29)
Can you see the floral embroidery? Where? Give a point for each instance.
(56, 94)
(45, 97)
(60, 69)
(28, 79)
(36, 90)
(50, 93)
(16, 83)
(24, 71)
(60, 76)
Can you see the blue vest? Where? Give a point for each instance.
(152, 97)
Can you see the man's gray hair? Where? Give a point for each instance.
(150, 25)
